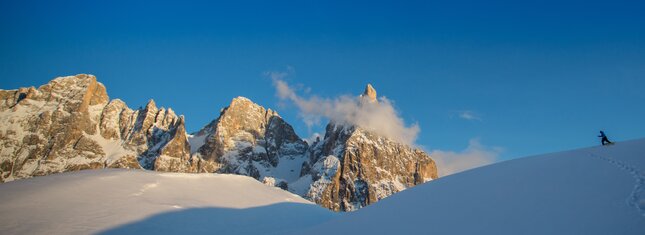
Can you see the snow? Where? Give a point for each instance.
(301, 186)
(12, 120)
(598, 190)
(328, 167)
(287, 169)
(196, 141)
(258, 149)
(113, 149)
(116, 201)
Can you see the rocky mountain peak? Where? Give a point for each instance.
(69, 124)
(369, 93)
(151, 105)
(250, 140)
(244, 115)
(353, 167)
(241, 100)
(87, 89)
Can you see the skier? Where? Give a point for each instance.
(604, 140)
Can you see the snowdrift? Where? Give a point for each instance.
(599, 190)
(147, 202)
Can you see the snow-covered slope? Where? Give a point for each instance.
(599, 190)
(115, 201)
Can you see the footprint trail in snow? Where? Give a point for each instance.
(637, 197)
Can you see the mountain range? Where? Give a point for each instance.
(70, 124)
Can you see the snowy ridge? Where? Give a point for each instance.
(586, 191)
(115, 201)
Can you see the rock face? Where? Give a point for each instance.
(352, 168)
(369, 93)
(248, 139)
(69, 124)
(349, 169)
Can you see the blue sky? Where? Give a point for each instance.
(533, 76)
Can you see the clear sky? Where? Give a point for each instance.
(526, 76)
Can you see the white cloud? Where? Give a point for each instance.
(469, 115)
(475, 155)
(312, 139)
(380, 118)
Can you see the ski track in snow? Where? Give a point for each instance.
(637, 197)
(145, 188)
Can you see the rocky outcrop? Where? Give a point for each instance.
(43, 127)
(352, 168)
(69, 124)
(369, 93)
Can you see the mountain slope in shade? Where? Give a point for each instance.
(598, 190)
(116, 201)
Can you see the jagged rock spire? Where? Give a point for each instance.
(369, 93)
(151, 105)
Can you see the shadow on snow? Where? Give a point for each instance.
(270, 219)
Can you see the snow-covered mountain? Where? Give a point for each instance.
(118, 201)
(70, 124)
(248, 139)
(598, 190)
(346, 170)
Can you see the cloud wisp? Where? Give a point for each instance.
(475, 155)
(380, 118)
(469, 115)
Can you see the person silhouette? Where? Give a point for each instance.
(604, 140)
